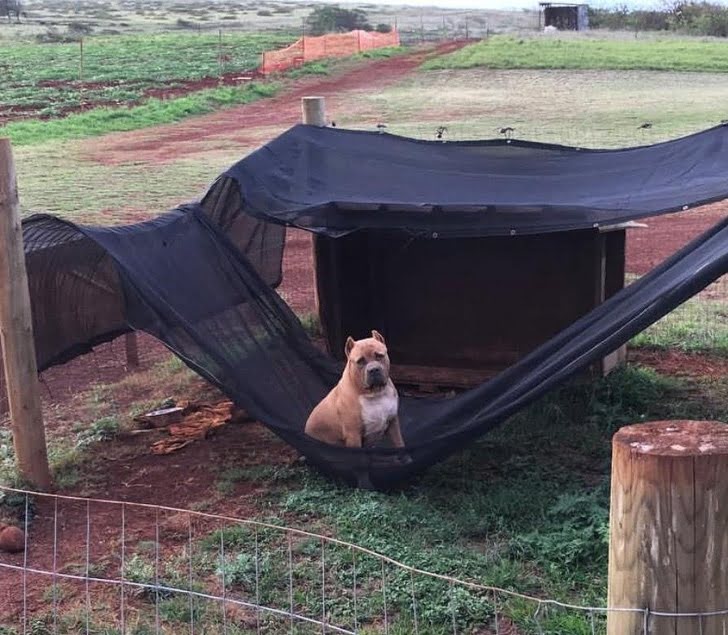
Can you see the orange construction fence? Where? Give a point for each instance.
(307, 49)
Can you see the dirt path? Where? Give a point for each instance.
(249, 124)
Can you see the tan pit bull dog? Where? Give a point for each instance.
(362, 408)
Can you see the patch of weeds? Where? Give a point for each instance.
(572, 539)
(180, 609)
(96, 569)
(56, 593)
(310, 68)
(627, 395)
(8, 474)
(104, 429)
(66, 465)
(228, 479)
(268, 473)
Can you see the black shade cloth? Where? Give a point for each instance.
(201, 279)
(187, 284)
(333, 181)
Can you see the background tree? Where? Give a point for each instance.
(11, 8)
(334, 19)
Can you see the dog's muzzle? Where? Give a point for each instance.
(376, 377)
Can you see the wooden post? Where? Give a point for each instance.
(668, 548)
(16, 334)
(219, 54)
(132, 350)
(313, 112)
(80, 62)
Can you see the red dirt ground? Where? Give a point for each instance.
(128, 471)
(236, 125)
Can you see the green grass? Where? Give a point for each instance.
(524, 508)
(151, 113)
(46, 78)
(668, 54)
(600, 108)
(696, 326)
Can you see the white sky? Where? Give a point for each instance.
(519, 4)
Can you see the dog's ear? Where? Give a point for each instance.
(348, 346)
(378, 336)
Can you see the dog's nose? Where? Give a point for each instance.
(374, 373)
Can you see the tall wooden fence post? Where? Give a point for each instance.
(668, 547)
(16, 334)
(313, 113)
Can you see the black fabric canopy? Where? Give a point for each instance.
(335, 181)
(201, 278)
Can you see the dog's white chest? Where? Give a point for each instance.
(377, 411)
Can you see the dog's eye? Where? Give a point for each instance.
(378, 355)
(361, 361)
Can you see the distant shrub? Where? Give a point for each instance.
(265, 13)
(185, 24)
(80, 28)
(383, 28)
(333, 19)
(52, 36)
(697, 18)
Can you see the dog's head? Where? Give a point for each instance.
(367, 362)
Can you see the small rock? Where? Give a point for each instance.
(12, 539)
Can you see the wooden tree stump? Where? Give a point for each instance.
(668, 549)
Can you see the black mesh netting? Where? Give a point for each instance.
(202, 278)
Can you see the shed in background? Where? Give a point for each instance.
(564, 16)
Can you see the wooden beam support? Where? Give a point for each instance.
(313, 113)
(16, 334)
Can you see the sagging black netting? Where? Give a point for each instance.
(335, 181)
(202, 278)
(187, 284)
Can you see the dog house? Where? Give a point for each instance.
(456, 311)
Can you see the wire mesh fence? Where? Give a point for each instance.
(91, 566)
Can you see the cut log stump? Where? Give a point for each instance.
(668, 548)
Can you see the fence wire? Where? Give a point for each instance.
(93, 565)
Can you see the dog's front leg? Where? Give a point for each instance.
(394, 434)
(352, 439)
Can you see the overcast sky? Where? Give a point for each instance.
(520, 4)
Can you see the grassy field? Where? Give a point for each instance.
(583, 108)
(47, 80)
(668, 54)
(152, 112)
